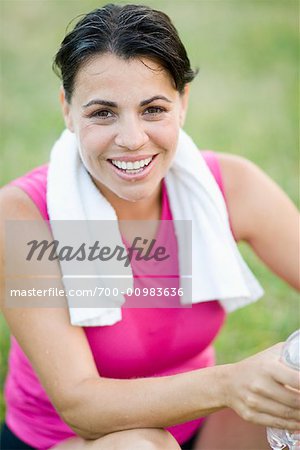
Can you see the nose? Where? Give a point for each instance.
(131, 134)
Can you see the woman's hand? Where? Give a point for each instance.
(262, 390)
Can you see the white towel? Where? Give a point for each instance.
(218, 269)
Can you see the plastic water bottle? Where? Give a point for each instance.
(290, 356)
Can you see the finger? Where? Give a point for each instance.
(286, 376)
(269, 420)
(281, 394)
(273, 408)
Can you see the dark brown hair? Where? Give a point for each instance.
(128, 31)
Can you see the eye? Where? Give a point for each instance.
(102, 114)
(154, 110)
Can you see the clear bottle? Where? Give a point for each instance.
(290, 356)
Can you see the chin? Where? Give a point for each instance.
(135, 194)
(134, 198)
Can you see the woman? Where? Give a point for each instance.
(125, 92)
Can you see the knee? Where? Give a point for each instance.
(159, 439)
(141, 439)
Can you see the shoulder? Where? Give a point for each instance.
(237, 171)
(230, 169)
(15, 204)
(24, 197)
(250, 193)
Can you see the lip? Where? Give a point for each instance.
(135, 176)
(130, 158)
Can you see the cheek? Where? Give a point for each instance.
(167, 139)
(93, 143)
(165, 133)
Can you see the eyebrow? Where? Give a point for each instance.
(98, 101)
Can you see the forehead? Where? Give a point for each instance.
(110, 75)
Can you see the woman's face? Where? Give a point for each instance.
(126, 116)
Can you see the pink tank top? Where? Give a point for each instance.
(147, 342)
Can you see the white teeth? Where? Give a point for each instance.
(132, 165)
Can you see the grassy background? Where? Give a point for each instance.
(243, 101)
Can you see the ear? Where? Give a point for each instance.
(66, 109)
(184, 98)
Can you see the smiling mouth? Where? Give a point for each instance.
(132, 167)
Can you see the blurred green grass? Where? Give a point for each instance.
(244, 101)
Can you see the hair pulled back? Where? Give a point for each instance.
(128, 31)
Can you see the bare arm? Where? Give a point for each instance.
(263, 216)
